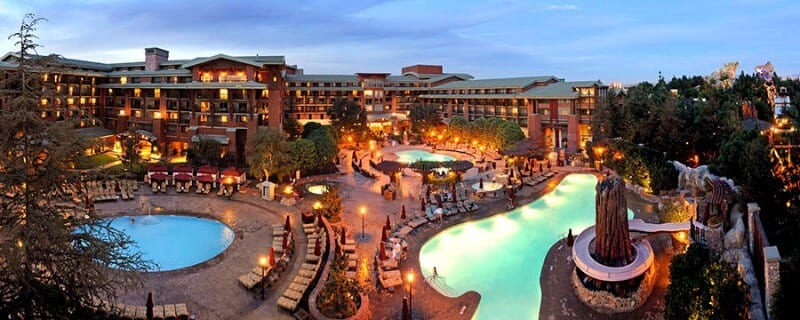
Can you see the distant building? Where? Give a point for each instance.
(226, 98)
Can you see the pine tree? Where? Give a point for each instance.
(55, 256)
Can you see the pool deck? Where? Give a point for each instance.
(211, 289)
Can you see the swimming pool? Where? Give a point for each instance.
(409, 156)
(501, 256)
(175, 242)
(318, 189)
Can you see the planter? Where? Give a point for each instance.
(361, 314)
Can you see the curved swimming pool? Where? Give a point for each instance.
(174, 242)
(501, 256)
(410, 156)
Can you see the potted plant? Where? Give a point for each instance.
(339, 297)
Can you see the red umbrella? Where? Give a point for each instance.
(287, 228)
(388, 224)
(540, 167)
(317, 249)
(149, 306)
(384, 238)
(382, 250)
(271, 257)
(403, 212)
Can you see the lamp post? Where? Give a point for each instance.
(410, 279)
(262, 262)
(363, 211)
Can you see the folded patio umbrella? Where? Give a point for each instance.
(570, 238)
(149, 306)
(317, 248)
(287, 228)
(384, 238)
(403, 212)
(271, 257)
(423, 204)
(285, 243)
(480, 183)
(382, 253)
(388, 224)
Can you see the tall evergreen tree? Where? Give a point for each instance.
(55, 257)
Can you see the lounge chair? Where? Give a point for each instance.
(306, 273)
(287, 303)
(169, 311)
(164, 186)
(308, 266)
(301, 280)
(181, 310)
(250, 280)
(199, 188)
(207, 190)
(389, 264)
(220, 192)
(154, 186)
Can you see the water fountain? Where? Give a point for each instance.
(149, 218)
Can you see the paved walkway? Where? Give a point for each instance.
(211, 289)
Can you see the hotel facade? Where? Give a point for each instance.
(226, 98)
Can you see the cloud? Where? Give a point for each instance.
(562, 7)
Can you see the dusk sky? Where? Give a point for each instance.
(614, 41)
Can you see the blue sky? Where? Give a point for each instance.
(614, 41)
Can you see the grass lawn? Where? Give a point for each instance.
(97, 161)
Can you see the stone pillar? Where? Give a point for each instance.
(772, 275)
(572, 134)
(752, 209)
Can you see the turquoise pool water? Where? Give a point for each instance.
(501, 256)
(175, 242)
(409, 156)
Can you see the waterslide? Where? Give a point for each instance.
(644, 253)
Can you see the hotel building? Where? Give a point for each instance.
(226, 98)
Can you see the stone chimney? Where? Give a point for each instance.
(154, 57)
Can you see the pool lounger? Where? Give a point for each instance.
(169, 311)
(306, 273)
(298, 287)
(287, 303)
(294, 295)
(249, 280)
(311, 258)
(308, 266)
(301, 280)
(181, 310)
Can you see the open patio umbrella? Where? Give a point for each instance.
(388, 223)
(382, 252)
(403, 212)
(287, 228)
(570, 238)
(149, 306)
(317, 248)
(271, 257)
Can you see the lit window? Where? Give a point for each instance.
(138, 114)
(45, 77)
(265, 93)
(137, 92)
(70, 90)
(44, 114)
(205, 106)
(223, 119)
(123, 80)
(367, 93)
(157, 92)
(206, 77)
(223, 94)
(83, 100)
(110, 91)
(58, 89)
(274, 78)
(243, 119)
(70, 101)
(93, 101)
(44, 102)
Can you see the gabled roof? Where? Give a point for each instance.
(496, 83)
(256, 61)
(168, 72)
(437, 76)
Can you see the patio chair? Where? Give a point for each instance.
(287, 303)
(169, 311)
(164, 186)
(199, 188)
(154, 186)
(207, 190)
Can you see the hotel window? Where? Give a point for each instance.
(45, 77)
(174, 79)
(138, 113)
(203, 118)
(44, 102)
(70, 101)
(274, 78)
(83, 100)
(58, 89)
(243, 119)
(157, 92)
(223, 119)
(206, 77)
(93, 101)
(265, 93)
(123, 80)
(205, 106)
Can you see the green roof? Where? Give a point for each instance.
(321, 78)
(496, 83)
(189, 85)
(169, 72)
(94, 132)
(560, 89)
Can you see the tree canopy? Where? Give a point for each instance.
(348, 119)
(269, 149)
(56, 257)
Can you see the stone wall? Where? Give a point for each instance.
(605, 302)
